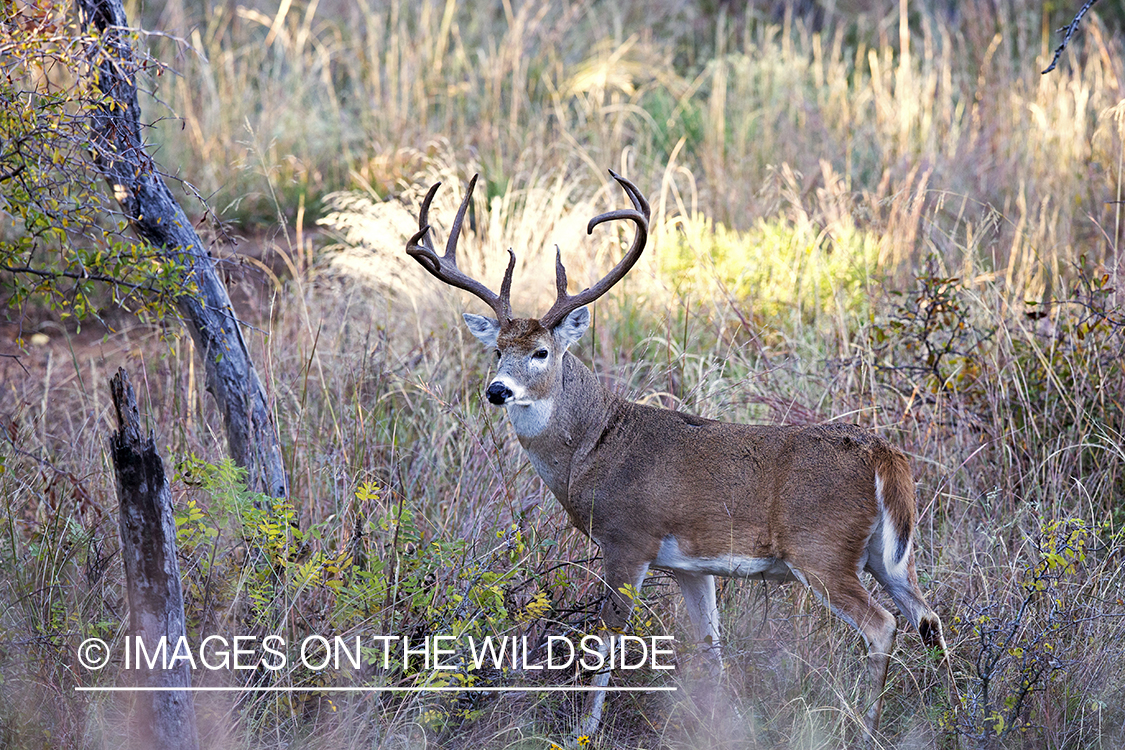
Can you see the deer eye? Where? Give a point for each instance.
(497, 354)
(540, 354)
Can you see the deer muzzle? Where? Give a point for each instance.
(498, 393)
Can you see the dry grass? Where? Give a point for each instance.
(916, 233)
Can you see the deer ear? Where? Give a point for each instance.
(571, 328)
(485, 329)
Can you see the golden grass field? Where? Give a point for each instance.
(881, 214)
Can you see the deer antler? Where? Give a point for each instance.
(444, 267)
(565, 303)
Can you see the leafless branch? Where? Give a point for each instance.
(1068, 32)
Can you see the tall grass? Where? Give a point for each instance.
(315, 101)
(902, 226)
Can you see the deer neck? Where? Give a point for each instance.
(567, 424)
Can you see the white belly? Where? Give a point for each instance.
(672, 558)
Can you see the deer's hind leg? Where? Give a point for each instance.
(902, 584)
(846, 596)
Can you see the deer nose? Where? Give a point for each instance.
(498, 393)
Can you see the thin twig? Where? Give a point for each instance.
(1069, 32)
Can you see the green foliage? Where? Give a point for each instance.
(58, 244)
(1027, 637)
(673, 119)
(376, 573)
(929, 337)
(1069, 372)
(787, 270)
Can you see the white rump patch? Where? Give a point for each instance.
(896, 569)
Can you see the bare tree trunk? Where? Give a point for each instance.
(165, 719)
(157, 218)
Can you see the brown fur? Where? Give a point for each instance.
(699, 497)
(630, 476)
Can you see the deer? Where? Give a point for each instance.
(657, 488)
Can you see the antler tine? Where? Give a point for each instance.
(419, 246)
(444, 267)
(565, 303)
(638, 199)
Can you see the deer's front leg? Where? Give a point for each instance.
(699, 597)
(623, 577)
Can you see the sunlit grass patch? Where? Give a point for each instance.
(788, 274)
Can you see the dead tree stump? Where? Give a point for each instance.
(163, 720)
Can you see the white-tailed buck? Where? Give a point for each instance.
(663, 489)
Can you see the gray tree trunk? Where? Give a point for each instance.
(165, 720)
(158, 219)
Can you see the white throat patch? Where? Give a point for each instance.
(529, 418)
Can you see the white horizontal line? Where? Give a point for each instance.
(327, 689)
